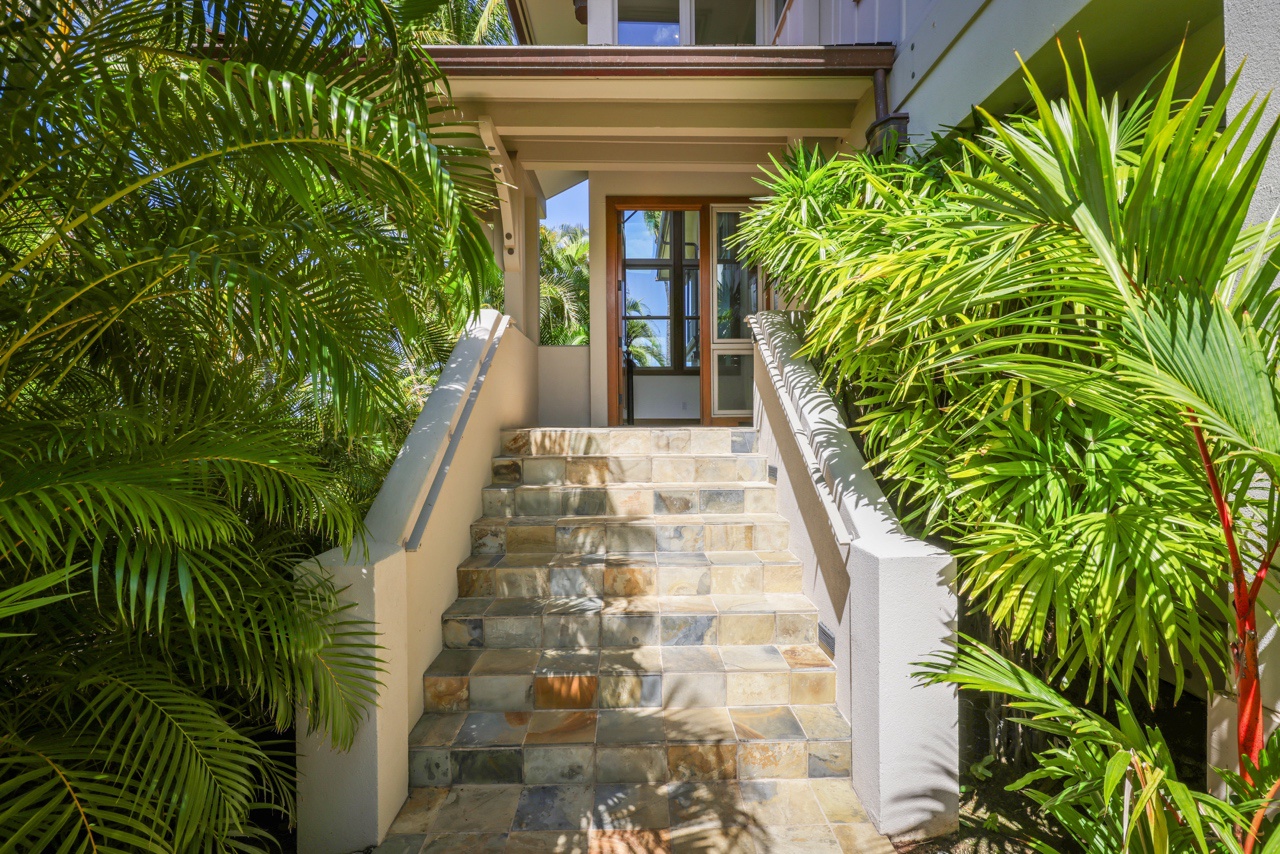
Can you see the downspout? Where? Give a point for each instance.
(889, 130)
(880, 85)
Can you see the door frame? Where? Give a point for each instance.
(613, 262)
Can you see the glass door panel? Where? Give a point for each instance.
(734, 382)
(737, 284)
(659, 293)
(735, 297)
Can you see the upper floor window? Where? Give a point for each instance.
(649, 22)
(724, 22)
(702, 22)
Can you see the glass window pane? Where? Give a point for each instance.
(691, 344)
(737, 288)
(779, 6)
(648, 292)
(646, 235)
(735, 374)
(724, 22)
(649, 22)
(650, 343)
(691, 295)
(692, 235)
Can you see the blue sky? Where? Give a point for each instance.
(568, 208)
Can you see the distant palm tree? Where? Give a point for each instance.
(466, 22)
(565, 282)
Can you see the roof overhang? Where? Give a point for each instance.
(564, 110)
(623, 61)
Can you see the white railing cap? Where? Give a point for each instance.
(395, 510)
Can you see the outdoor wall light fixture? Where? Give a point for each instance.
(580, 11)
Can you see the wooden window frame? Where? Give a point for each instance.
(613, 261)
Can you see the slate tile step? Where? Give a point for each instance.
(588, 621)
(753, 817)
(630, 746)
(700, 532)
(629, 499)
(649, 469)
(628, 440)
(526, 680)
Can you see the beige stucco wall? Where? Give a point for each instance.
(564, 386)
(655, 183)
(347, 800)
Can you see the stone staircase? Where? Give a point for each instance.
(630, 614)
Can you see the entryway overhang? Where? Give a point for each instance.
(685, 109)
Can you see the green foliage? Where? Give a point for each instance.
(1028, 331)
(564, 286)
(1085, 533)
(237, 245)
(1114, 786)
(458, 21)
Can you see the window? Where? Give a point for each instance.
(702, 22)
(649, 22)
(724, 22)
(779, 7)
(660, 253)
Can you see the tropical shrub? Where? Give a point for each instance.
(236, 244)
(1060, 342)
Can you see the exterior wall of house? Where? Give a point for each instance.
(1251, 28)
(564, 386)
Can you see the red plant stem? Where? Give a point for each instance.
(1249, 731)
(1252, 838)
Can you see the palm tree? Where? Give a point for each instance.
(466, 22)
(236, 238)
(564, 286)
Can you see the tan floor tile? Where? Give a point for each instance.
(419, 811)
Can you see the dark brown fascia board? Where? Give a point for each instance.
(519, 20)
(619, 61)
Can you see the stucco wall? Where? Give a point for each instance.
(1252, 29)
(347, 800)
(886, 597)
(564, 386)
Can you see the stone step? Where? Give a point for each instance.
(629, 499)
(627, 534)
(612, 622)
(628, 440)
(630, 746)
(638, 574)
(561, 470)
(527, 679)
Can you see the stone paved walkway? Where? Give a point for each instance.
(750, 817)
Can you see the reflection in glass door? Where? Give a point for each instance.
(736, 296)
(659, 314)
